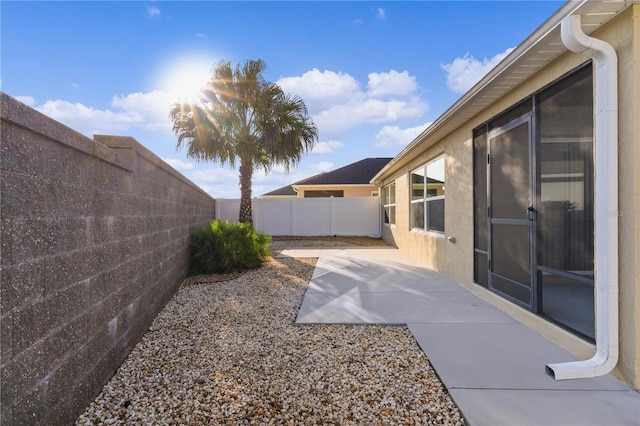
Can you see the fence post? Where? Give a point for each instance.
(332, 212)
(294, 216)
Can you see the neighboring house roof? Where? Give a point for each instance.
(533, 54)
(358, 173)
(281, 192)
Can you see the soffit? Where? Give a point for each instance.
(542, 47)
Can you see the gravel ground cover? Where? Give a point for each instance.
(226, 351)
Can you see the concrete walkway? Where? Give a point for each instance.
(493, 366)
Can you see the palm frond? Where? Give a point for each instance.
(241, 117)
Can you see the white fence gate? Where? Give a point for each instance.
(351, 216)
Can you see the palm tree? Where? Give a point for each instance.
(241, 118)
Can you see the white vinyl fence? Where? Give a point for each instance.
(352, 216)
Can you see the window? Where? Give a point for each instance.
(427, 196)
(389, 203)
(323, 194)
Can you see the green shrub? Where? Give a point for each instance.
(224, 246)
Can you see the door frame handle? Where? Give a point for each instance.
(531, 213)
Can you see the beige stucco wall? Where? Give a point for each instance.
(456, 259)
(349, 190)
(626, 41)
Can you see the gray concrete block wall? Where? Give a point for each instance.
(94, 239)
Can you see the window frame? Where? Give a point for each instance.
(426, 199)
(389, 219)
(324, 193)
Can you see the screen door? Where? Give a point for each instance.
(511, 211)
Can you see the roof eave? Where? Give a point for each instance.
(546, 33)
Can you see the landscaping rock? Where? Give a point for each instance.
(229, 352)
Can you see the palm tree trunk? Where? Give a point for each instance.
(246, 174)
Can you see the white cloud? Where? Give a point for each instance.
(152, 11)
(75, 86)
(147, 111)
(217, 182)
(326, 147)
(178, 164)
(464, 72)
(395, 137)
(201, 35)
(338, 119)
(337, 102)
(27, 100)
(381, 13)
(152, 107)
(392, 83)
(215, 176)
(88, 120)
(319, 90)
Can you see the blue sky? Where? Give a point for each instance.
(372, 74)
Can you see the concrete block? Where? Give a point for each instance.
(63, 270)
(67, 338)
(62, 380)
(21, 284)
(73, 403)
(22, 373)
(67, 303)
(31, 408)
(6, 415)
(78, 236)
(7, 157)
(103, 369)
(96, 260)
(32, 237)
(98, 288)
(97, 229)
(28, 151)
(6, 337)
(31, 323)
(6, 246)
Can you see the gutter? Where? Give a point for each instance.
(606, 204)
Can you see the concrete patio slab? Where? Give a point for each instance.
(509, 356)
(356, 286)
(316, 251)
(338, 273)
(301, 252)
(493, 366)
(504, 407)
(400, 307)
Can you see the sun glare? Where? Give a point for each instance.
(184, 78)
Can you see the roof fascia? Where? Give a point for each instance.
(337, 185)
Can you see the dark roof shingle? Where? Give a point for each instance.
(284, 191)
(358, 173)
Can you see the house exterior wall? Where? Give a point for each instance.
(349, 190)
(625, 38)
(282, 197)
(455, 259)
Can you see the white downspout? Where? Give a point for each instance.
(606, 204)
